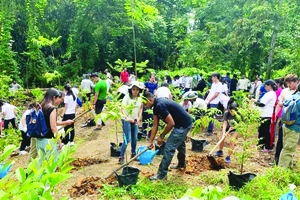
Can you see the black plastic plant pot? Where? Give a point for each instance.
(237, 181)
(160, 148)
(198, 145)
(128, 177)
(115, 150)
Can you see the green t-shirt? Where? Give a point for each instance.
(101, 89)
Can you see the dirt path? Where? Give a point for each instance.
(96, 144)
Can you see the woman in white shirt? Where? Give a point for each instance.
(266, 104)
(9, 112)
(132, 109)
(69, 113)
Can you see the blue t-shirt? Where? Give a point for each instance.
(296, 126)
(151, 86)
(163, 107)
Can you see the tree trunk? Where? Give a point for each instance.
(271, 53)
(273, 42)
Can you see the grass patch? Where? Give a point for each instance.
(145, 189)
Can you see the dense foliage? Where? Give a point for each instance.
(73, 37)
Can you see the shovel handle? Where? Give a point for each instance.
(221, 140)
(77, 117)
(125, 164)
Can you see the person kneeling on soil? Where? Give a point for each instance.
(177, 120)
(132, 109)
(228, 123)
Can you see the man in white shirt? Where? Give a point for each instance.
(213, 98)
(109, 83)
(9, 112)
(188, 83)
(163, 91)
(87, 86)
(243, 84)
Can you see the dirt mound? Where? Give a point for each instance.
(83, 162)
(199, 163)
(89, 186)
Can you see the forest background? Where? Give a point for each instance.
(69, 38)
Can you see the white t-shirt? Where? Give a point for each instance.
(269, 100)
(21, 126)
(87, 84)
(9, 111)
(199, 103)
(163, 92)
(225, 88)
(132, 78)
(215, 87)
(71, 109)
(109, 83)
(75, 91)
(285, 93)
(243, 84)
(182, 81)
(188, 82)
(176, 83)
(187, 106)
(134, 113)
(123, 89)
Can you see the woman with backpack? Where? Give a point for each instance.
(23, 128)
(69, 113)
(132, 109)
(266, 104)
(51, 100)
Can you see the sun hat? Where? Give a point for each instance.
(137, 84)
(190, 95)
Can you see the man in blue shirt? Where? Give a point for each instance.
(290, 137)
(178, 122)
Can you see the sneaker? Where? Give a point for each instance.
(156, 178)
(178, 166)
(121, 160)
(219, 153)
(71, 143)
(266, 150)
(227, 159)
(23, 153)
(132, 155)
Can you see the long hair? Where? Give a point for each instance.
(47, 101)
(69, 90)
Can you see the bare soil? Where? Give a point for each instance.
(93, 161)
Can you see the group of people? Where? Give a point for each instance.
(137, 97)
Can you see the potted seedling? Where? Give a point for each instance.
(246, 125)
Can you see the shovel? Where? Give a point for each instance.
(77, 117)
(125, 164)
(213, 163)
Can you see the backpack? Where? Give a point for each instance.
(36, 124)
(289, 111)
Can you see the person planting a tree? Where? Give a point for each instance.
(132, 109)
(228, 125)
(178, 123)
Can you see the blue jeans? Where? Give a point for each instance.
(210, 127)
(43, 152)
(130, 135)
(175, 141)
